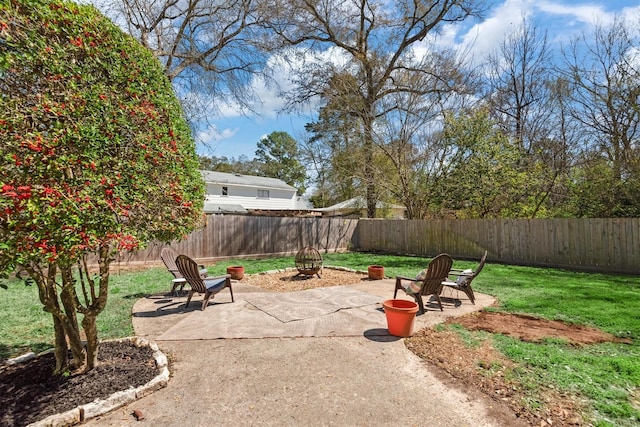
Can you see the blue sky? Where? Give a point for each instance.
(233, 134)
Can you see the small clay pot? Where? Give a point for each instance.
(376, 272)
(236, 272)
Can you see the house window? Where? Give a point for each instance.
(225, 191)
(263, 194)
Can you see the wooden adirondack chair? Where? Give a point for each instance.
(428, 282)
(464, 279)
(209, 286)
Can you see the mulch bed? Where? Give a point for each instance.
(29, 391)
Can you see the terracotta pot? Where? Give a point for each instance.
(376, 272)
(236, 272)
(401, 316)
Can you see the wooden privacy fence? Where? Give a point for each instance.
(607, 245)
(226, 236)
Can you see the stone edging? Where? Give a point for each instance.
(116, 400)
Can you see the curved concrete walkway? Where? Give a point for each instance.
(336, 367)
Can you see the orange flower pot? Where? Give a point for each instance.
(401, 316)
(236, 272)
(376, 272)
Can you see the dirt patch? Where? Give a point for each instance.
(533, 329)
(480, 367)
(289, 281)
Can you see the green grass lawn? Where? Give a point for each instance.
(605, 376)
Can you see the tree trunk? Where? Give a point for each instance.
(70, 322)
(91, 331)
(48, 294)
(97, 305)
(369, 169)
(61, 349)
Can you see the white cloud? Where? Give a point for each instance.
(268, 100)
(211, 135)
(477, 40)
(268, 90)
(590, 14)
(229, 109)
(228, 133)
(632, 16)
(484, 37)
(563, 20)
(445, 39)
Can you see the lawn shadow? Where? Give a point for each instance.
(166, 305)
(135, 296)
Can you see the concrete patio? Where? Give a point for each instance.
(330, 362)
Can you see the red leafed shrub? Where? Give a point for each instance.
(96, 157)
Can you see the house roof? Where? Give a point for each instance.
(245, 180)
(358, 203)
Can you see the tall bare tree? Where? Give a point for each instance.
(208, 47)
(558, 153)
(374, 42)
(604, 69)
(522, 95)
(417, 159)
(518, 90)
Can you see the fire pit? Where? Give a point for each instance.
(308, 262)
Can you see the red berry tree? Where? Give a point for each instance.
(96, 158)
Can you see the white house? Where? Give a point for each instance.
(243, 194)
